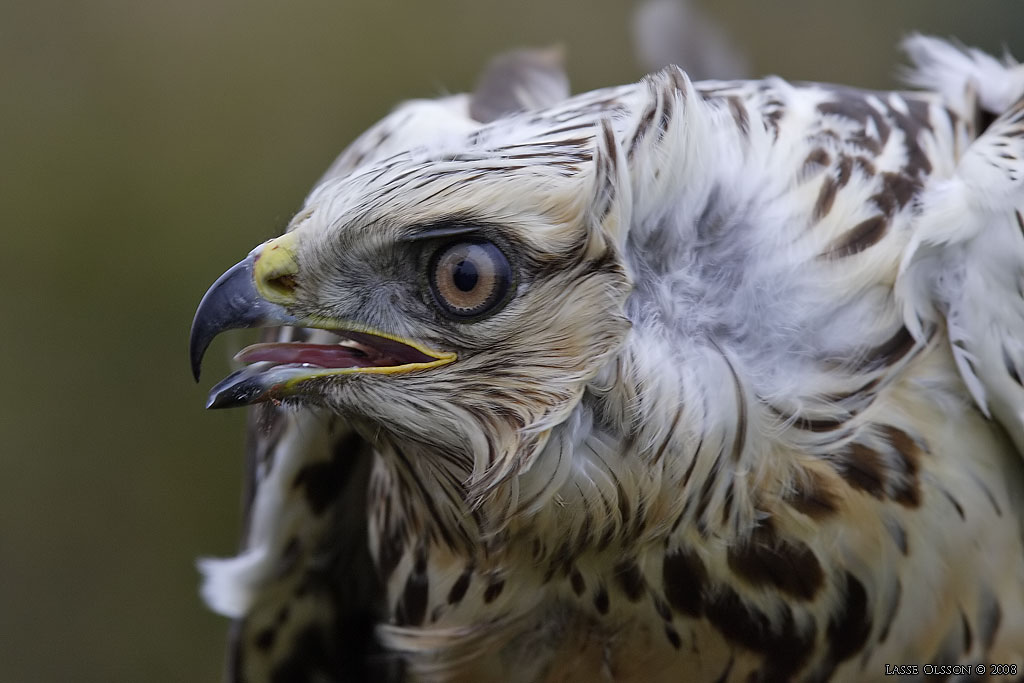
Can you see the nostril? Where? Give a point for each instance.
(275, 269)
(282, 285)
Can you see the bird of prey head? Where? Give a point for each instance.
(472, 293)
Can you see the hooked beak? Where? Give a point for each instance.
(257, 292)
(231, 303)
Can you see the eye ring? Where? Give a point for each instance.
(469, 279)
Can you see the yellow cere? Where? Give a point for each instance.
(275, 268)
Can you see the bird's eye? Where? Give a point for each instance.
(469, 279)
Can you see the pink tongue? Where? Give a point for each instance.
(322, 355)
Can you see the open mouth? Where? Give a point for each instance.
(276, 368)
(356, 351)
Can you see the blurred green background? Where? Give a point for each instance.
(145, 147)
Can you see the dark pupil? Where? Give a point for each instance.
(465, 276)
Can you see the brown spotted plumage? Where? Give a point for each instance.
(714, 381)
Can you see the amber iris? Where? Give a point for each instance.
(469, 279)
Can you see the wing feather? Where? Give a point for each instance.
(965, 261)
